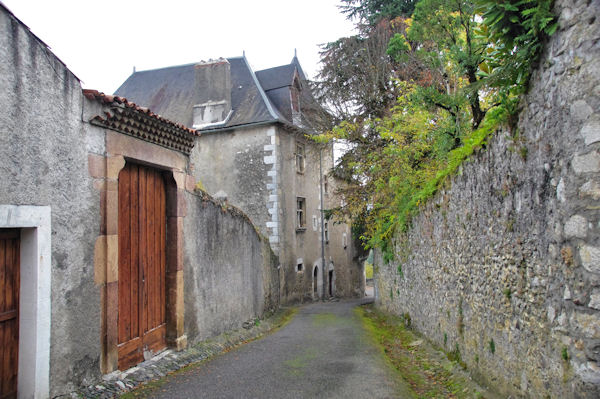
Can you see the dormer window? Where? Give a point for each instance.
(295, 100)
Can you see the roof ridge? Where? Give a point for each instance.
(167, 67)
(275, 67)
(261, 91)
(182, 65)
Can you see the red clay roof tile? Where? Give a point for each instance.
(109, 99)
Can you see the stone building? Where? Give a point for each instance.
(97, 205)
(254, 150)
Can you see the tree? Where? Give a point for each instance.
(413, 96)
(370, 12)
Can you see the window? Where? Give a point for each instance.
(300, 213)
(295, 100)
(299, 265)
(300, 157)
(344, 240)
(325, 185)
(326, 226)
(295, 94)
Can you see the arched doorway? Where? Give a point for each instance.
(315, 282)
(331, 280)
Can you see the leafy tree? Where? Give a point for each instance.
(370, 12)
(444, 32)
(515, 30)
(414, 97)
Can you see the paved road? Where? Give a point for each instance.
(323, 353)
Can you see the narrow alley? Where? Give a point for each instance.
(323, 352)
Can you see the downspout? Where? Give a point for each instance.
(322, 223)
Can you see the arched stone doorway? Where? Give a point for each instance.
(315, 282)
(331, 280)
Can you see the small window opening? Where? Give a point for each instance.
(295, 99)
(300, 213)
(300, 157)
(326, 227)
(315, 281)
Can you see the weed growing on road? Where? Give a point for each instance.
(425, 370)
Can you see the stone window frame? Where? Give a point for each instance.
(121, 149)
(299, 265)
(295, 90)
(300, 213)
(300, 156)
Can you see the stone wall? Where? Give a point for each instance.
(503, 264)
(231, 274)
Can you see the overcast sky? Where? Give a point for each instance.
(102, 40)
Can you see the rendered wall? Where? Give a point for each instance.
(52, 159)
(230, 272)
(255, 167)
(44, 157)
(232, 163)
(306, 243)
(504, 264)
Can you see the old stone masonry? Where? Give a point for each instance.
(504, 265)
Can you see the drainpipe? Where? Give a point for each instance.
(322, 223)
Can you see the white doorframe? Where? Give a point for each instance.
(34, 299)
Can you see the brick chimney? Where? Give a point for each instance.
(213, 96)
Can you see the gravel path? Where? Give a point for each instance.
(324, 352)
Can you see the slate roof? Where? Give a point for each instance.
(170, 92)
(277, 77)
(261, 97)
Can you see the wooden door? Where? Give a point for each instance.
(9, 311)
(142, 263)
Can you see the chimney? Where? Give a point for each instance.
(213, 96)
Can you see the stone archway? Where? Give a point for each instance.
(315, 282)
(331, 280)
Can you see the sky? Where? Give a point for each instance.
(101, 41)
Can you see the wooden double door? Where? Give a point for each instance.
(9, 311)
(142, 263)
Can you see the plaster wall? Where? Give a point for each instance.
(44, 153)
(305, 244)
(299, 244)
(231, 164)
(231, 274)
(342, 252)
(55, 162)
(503, 264)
